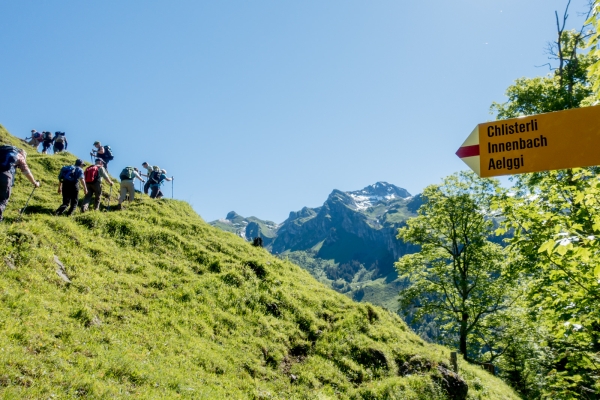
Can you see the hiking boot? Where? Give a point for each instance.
(84, 208)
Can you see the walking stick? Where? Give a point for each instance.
(172, 182)
(26, 203)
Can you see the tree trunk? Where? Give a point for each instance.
(463, 335)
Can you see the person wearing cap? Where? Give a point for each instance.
(68, 184)
(102, 152)
(7, 176)
(35, 139)
(149, 169)
(158, 177)
(93, 176)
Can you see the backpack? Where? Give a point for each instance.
(60, 137)
(108, 153)
(91, 174)
(127, 174)
(67, 173)
(47, 135)
(36, 135)
(155, 177)
(8, 158)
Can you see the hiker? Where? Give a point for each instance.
(93, 181)
(68, 184)
(157, 177)
(127, 187)
(11, 157)
(149, 169)
(102, 152)
(35, 139)
(60, 142)
(47, 141)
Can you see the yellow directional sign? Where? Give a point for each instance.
(542, 142)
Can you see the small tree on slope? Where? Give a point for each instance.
(459, 276)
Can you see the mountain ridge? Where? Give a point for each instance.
(353, 232)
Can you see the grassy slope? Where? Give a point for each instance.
(363, 287)
(162, 305)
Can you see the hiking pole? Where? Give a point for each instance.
(26, 203)
(172, 182)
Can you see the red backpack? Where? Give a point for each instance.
(91, 174)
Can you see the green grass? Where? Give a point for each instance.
(162, 305)
(363, 287)
(227, 227)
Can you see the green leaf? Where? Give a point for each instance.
(562, 250)
(547, 246)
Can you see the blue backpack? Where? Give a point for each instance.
(8, 158)
(67, 173)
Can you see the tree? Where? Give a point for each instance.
(522, 362)
(593, 45)
(555, 220)
(459, 277)
(567, 86)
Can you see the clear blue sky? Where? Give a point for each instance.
(264, 107)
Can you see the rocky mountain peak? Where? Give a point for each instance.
(305, 212)
(377, 193)
(382, 189)
(231, 215)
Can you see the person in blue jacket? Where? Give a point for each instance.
(157, 178)
(68, 185)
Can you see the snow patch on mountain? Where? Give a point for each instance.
(375, 194)
(364, 202)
